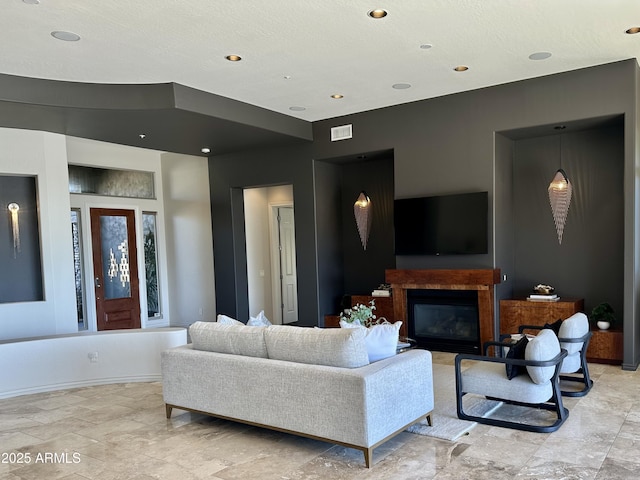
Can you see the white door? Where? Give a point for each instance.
(288, 279)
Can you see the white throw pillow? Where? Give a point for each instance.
(259, 321)
(224, 320)
(381, 340)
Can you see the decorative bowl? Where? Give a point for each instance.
(543, 289)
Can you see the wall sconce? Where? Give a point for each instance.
(560, 197)
(362, 213)
(15, 226)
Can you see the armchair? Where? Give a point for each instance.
(574, 336)
(537, 387)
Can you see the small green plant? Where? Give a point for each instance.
(603, 313)
(360, 314)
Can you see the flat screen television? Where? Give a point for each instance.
(442, 225)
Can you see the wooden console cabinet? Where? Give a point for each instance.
(516, 312)
(605, 346)
(384, 308)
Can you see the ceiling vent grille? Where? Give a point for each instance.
(341, 133)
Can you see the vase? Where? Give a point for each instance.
(602, 325)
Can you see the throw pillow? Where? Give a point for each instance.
(259, 321)
(224, 320)
(555, 326)
(517, 352)
(382, 340)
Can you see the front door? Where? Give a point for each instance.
(115, 268)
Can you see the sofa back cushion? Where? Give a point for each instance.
(335, 347)
(234, 339)
(542, 347)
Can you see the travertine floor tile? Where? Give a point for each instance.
(119, 432)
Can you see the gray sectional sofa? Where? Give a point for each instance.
(307, 381)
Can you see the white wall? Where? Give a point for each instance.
(185, 245)
(189, 238)
(69, 361)
(24, 152)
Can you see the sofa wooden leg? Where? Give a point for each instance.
(429, 420)
(368, 457)
(168, 408)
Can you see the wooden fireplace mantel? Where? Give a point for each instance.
(481, 280)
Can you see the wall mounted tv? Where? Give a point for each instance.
(442, 225)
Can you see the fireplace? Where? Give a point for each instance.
(444, 320)
(479, 281)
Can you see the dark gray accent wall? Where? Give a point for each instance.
(589, 263)
(21, 266)
(364, 269)
(228, 175)
(449, 145)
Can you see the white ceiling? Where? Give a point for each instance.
(297, 53)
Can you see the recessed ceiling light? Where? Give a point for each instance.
(205, 150)
(65, 36)
(297, 109)
(401, 86)
(632, 30)
(539, 56)
(337, 95)
(426, 46)
(142, 135)
(31, 2)
(287, 77)
(233, 58)
(461, 68)
(377, 13)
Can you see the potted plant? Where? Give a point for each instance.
(603, 315)
(360, 314)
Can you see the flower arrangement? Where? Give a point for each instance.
(360, 314)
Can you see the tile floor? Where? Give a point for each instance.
(113, 432)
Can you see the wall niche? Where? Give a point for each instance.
(20, 257)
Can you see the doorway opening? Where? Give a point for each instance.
(271, 253)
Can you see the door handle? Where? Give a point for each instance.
(97, 282)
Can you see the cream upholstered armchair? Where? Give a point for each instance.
(529, 379)
(574, 336)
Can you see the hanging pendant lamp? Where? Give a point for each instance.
(363, 215)
(560, 197)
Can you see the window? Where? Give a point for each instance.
(151, 264)
(111, 182)
(77, 269)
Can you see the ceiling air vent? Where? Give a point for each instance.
(341, 133)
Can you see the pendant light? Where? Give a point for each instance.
(560, 190)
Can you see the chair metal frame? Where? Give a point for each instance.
(583, 371)
(554, 404)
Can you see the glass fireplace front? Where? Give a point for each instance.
(444, 320)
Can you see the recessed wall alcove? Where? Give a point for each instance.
(21, 272)
(589, 263)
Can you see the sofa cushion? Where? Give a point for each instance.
(335, 347)
(544, 346)
(224, 338)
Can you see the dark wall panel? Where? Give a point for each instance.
(364, 269)
(589, 263)
(21, 268)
